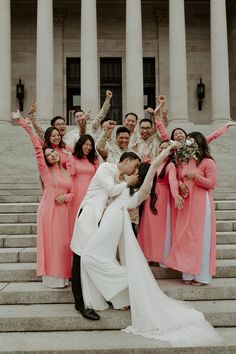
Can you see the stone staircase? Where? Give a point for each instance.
(35, 319)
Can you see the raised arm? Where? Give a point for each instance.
(103, 138)
(37, 127)
(103, 112)
(36, 141)
(145, 189)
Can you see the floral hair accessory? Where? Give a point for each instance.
(187, 151)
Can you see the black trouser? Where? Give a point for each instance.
(76, 282)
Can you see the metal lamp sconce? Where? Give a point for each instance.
(200, 93)
(20, 94)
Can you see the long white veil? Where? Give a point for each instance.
(155, 315)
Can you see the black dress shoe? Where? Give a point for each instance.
(90, 314)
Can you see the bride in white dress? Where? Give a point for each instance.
(154, 315)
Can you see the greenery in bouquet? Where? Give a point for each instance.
(187, 151)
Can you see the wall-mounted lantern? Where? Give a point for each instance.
(20, 94)
(200, 93)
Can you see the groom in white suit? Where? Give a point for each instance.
(104, 185)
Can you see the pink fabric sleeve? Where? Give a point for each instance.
(173, 182)
(162, 130)
(70, 165)
(209, 181)
(217, 133)
(37, 144)
(69, 196)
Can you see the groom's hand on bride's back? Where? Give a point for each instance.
(132, 180)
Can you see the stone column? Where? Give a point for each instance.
(5, 60)
(177, 63)
(134, 58)
(44, 61)
(89, 58)
(219, 63)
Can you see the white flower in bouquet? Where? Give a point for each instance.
(187, 151)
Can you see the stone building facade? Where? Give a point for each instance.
(68, 52)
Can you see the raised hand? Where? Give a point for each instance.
(108, 94)
(174, 145)
(109, 126)
(33, 108)
(15, 116)
(150, 110)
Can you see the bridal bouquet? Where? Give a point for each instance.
(187, 151)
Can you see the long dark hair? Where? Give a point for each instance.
(142, 171)
(203, 148)
(78, 151)
(170, 158)
(47, 136)
(174, 130)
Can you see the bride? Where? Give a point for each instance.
(154, 315)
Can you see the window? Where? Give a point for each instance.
(73, 87)
(149, 88)
(111, 79)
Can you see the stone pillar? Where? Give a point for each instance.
(177, 63)
(89, 58)
(44, 61)
(5, 60)
(59, 88)
(134, 58)
(219, 63)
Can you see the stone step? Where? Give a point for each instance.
(14, 208)
(104, 342)
(29, 228)
(18, 229)
(29, 254)
(11, 218)
(15, 241)
(63, 317)
(21, 192)
(224, 196)
(225, 225)
(226, 215)
(226, 237)
(18, 241)
(32, 207)
(36, 293)
(18, 218)
(225, 251)
(20, 272)
(11, 272)
(24, 186)
(225, 204)
(19, 199)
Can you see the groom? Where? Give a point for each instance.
(104, 184)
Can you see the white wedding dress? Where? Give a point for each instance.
(154, 315)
